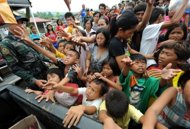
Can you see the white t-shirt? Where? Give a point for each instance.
(149, 40)
(95, 102)
(65, 99)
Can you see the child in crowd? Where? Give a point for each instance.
(116, 112)
(51, 34)
(137, 85)
(172, 107)
(110, 74)
(92, 98)
(56, 75)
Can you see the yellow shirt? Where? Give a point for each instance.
(59, 54)
(124, 122)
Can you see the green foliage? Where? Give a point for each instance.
(48, 15)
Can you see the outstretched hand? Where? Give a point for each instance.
(73, 116)
(127, 60)
(168, 73)
(48, 95)
(21, 32)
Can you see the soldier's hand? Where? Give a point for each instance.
(40, 83)
(22, 33)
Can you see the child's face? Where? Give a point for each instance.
(107, 71)
(139, 66)
(70, 58)
(68, 47)
(53, 78)
(186, 93)
(100, 39)
(166, 56)
(93, 91)
(70, 21)
(61, 47)
(176, 34)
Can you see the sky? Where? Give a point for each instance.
(76, 5)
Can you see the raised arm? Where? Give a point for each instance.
(126, 62)
(166, 98)
(23, 36)
(146, 16)
(177, 16)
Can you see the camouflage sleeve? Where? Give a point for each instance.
(12, 61)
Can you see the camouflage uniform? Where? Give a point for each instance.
(24, 61)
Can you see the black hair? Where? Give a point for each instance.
(180, 49)
(69, 14)
(184, 78)
(181, 25)
(58, 21)
(126, 21)
(104, 88)
(56, 71)
(117, 103)
(76, 52)
(113, 64)
(97, 13)
(156, 12)
(86, 20)
(68, 43)
(106, 33)
(140, 7)
(48, 29)
(103, 5)
(61, 41)
(137, 57)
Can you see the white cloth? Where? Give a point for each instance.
(149, 40)
(85, 102)
(65, 99)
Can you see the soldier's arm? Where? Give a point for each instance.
(41, 50)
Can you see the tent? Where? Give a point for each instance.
(19, 4)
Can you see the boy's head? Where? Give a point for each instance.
(184, 82)
(54, 75)
(139, 11)
(174, 53)
(157, 15)
(61, 46)
(69, 17)
(68, 46)
(139, 63)
(72, 57)
(117, 103)
(102, 8)
(96, 89)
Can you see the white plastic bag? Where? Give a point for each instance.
(175, 4)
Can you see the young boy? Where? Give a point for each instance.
(116, 106)
(116, 112)
(92, 98)
(137, 85)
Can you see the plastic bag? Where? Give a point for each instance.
(175, 4)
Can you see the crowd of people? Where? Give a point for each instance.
(126, 66)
